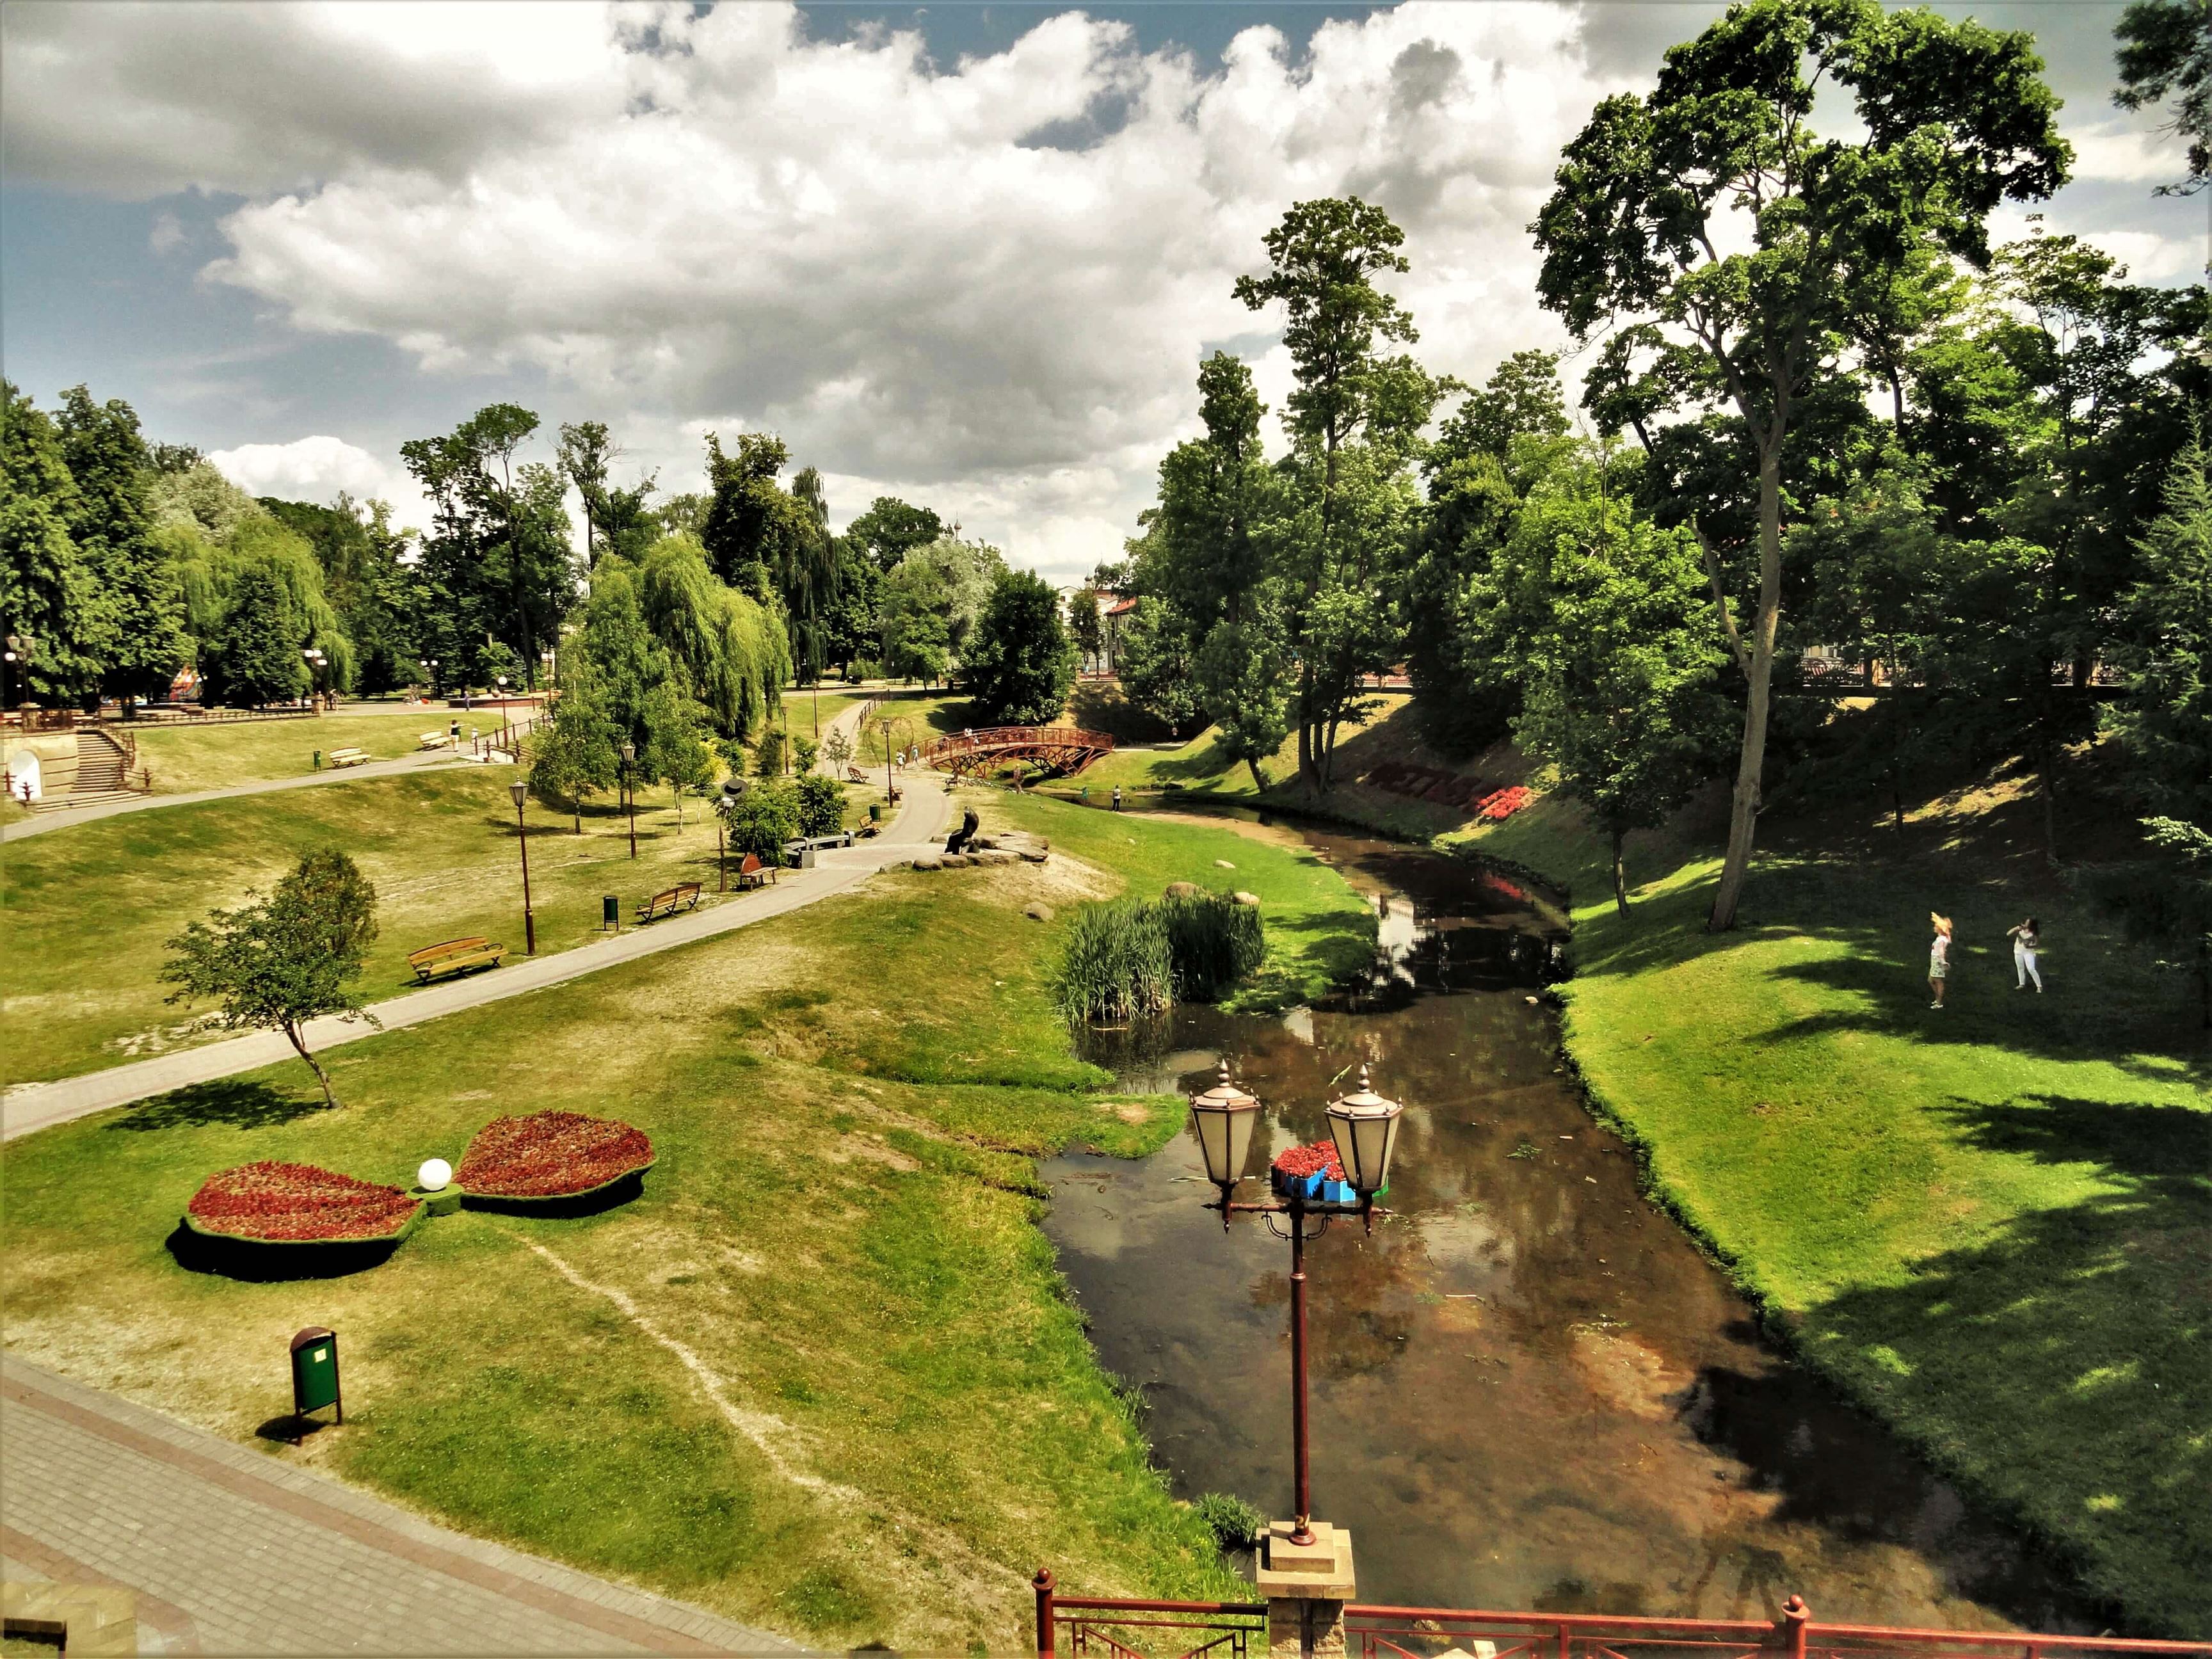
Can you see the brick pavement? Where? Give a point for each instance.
(231, 1552)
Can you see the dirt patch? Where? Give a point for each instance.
(866, 1149)
(1629, 1376)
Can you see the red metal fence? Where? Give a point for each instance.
(1063, 749)
(1125, 1629)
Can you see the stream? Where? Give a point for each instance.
(1529, 1388)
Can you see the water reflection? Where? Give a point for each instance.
(1528, 1388)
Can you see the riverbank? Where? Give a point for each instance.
(1987, 1225)
(822, 1375)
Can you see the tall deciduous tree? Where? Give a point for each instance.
(1021, 664)
(111, 468)
(1722, 155)
(2166, 51)
(277, 963)
(891, 529)
(49, 593)
(2165, 723)
(575, 755)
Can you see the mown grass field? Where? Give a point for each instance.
(89, 908)
(1991, 1224)
(893, 1417)
(1200, 766)
(186, 759)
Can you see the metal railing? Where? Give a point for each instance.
(1068, 746)
(1128, 1629)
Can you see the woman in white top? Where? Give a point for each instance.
(1939, 957)
(2025, 940)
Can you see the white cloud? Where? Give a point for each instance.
(316, 469)
(984, 286)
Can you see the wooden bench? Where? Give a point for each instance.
(455, 955)
(854, 774)
(685, 896)
(753, 873)
(433, 739)
(349, 757)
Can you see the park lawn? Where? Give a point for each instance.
(1201, 767)
(1991, 1224)
(184, 759)
(883, 1415)
(90, 908)
(914, 717)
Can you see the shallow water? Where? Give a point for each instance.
(1529, 1390)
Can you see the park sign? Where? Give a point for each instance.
(315, 1372)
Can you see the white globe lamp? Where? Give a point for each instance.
(435, 1174)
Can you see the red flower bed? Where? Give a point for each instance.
(297, 1204)
(551, 1155)
(1502, 804)
(1318, 1159)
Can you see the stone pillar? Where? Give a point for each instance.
(1306, 1586)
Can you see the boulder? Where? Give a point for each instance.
(927, 861)
(952, 861)
(1038, 911)
(1181, 890)
(1222, 864)
(1242, 897)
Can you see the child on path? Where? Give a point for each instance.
(2024, 939)
(1939, 957)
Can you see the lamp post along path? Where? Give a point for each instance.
(1305, 1568)
(518, 790)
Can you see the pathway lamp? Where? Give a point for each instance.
(629, 792)
(501, 680)
(1364, 1127)
(518, 790)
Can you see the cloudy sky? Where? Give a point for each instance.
(969, 255)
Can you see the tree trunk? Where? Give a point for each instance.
(300, 1041)
(1620, 878)
(1743, 810)
(1259, 778)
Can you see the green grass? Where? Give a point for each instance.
(1200, 766)
(895, 1416)
(1990, 1224)
(88, 909)
(187, 759)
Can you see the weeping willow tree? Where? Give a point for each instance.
(732, 651)
(261, 568)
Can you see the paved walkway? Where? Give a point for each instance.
(226, 1550)
(33, 1106)
(48, 821)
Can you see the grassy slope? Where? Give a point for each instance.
(841, 1231)
(88, 909)
(184, 759)
(1989, 1223)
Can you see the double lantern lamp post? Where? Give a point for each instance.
(1363, 1127)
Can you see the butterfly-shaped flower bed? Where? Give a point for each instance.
(552, 1157)
(1311, 1173)
(270, 1203)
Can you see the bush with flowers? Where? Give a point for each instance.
(551, 1155)
(271, 1203)
(1502, 804)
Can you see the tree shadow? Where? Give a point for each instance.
(273, 1264)
(231, 1103)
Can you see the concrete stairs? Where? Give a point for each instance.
(100, 775)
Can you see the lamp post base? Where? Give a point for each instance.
(1306, 1586)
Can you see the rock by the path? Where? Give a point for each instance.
(927, 861)
(1222, 864)
(1244, 897)
(1038, 911)
(1176, 889)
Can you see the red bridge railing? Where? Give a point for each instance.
(1070, 748)
(1130, 1629)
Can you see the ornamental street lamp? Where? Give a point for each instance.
(629, 792)
(1364, 1127)
(315, 660)
(518, 789)
(501, 680)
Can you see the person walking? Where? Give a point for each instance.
(2025, 939)
(1939, 957)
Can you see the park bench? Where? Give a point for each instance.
(455, 955)
(685, 896)
(349, 757)
(854, 774)
(433, 739)
(753, 873)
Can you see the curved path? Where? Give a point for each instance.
(35, 1106)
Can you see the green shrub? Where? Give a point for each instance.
(1134, 956)
(1212, 942)
(1235, 1524)
(821, 804)
(1115, 966)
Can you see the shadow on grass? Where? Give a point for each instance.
(2066, 1362)
(273, 1264)
(614, 1194)
(231, 1103)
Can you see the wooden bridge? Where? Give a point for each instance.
(1062, 751)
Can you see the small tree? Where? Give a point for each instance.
(2165, 723)
(761, 818)
(1243, 679)
(1021, 663)
(837, 748)
(277, 963)
(821, 802)
(574, 755)
(767, 753)
(1085, 626)
(805, 751)
(2166, 898)
(1158, 672)
(675, 752)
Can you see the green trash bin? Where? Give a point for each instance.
(319, 760)
(315, 1373)
(610, 914)
(875, 812)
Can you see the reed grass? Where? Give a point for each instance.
(1134, 957)
(1212, 942)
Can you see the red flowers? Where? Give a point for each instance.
(297, 1204)
(551, 1155)
(1502, 804)
(1318, 1159)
